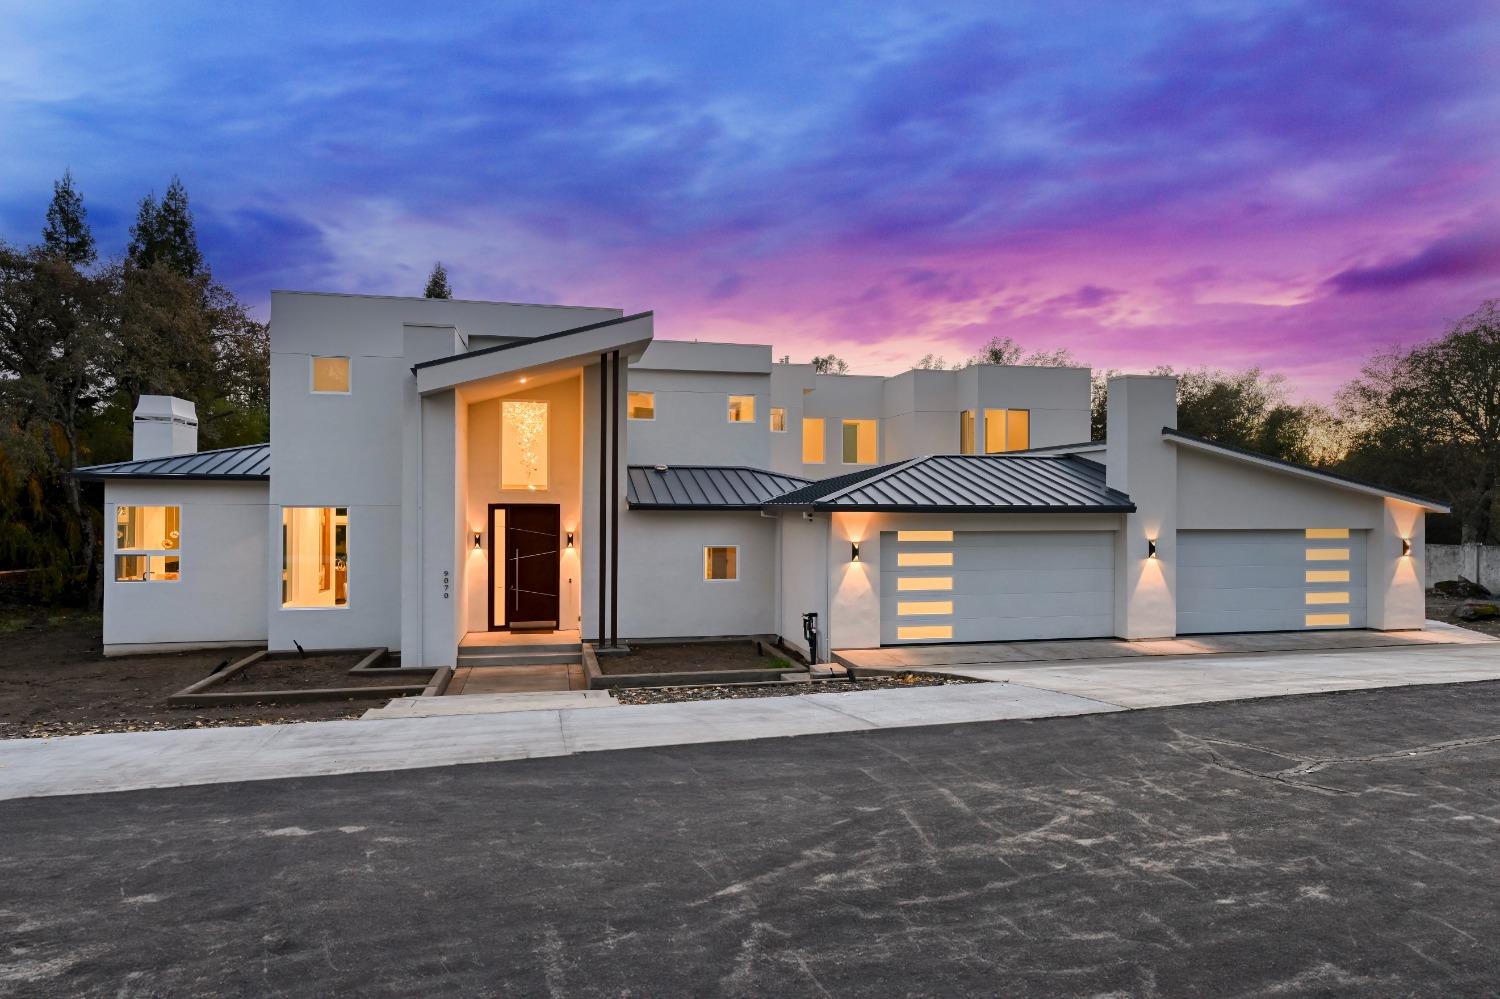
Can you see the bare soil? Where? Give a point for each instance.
(673, 695)
(1441, 608)
(54, 680)
(691, 657)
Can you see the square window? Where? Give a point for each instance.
(742, 409)
(812, 441)
(641, 405)
(860, 442)
(330, 374)
(314, 556)
(778, 420)
(523, 444)
(1006, 430)
(147, 542)
(721, 562)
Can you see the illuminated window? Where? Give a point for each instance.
(314, 556)
(859, 442)
(1326, 533)
(924, 558)
(1006, 430)
(523, 444)
(742, 409)
(778, 420)
(1328, 554)
(330, 374)
(917, 584)
(966, 432)
(905, 607)
(924, 535)
(640, 405)
(147, 541)
(1326, 620)
(812, 441)
(1331, 597)
(1328, 575)
(721, 563)
(925, 631)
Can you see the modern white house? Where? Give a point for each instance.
(439, 468)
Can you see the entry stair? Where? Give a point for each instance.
(515, 651)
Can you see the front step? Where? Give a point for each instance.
(511, 657)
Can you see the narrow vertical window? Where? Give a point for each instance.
(742, 409)
(314, 556)
(966, 432)
(148, 540)
(812, 441)
(641, 406)
(860, 446)
(330, 374)
(778, 420)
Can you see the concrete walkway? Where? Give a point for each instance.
(89, 763)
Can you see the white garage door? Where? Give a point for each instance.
(1270, 580)
(995, 586)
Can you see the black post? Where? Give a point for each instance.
(603, 493)
(614, 503)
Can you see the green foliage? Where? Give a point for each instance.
(164, 235)
(437, 283)
(1004, 350)
(67, 233)
(830, 364)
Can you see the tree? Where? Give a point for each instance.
(931, 362)
(67, 232)
(830, 364)
(437, 283)
(1004, 350)
(164, 233)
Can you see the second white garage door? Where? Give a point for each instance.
(1270, 580)
(995, 586)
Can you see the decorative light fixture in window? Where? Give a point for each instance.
(147, 542)
(523, 444)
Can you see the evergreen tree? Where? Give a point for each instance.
(145, 237)
(437, 283)
(67, 233)
(165, 234)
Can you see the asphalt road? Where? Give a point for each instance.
(1196, 851)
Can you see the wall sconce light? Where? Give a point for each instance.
(570, 539)
(1405, 547)
(854, 551)
(476, 541)
(1151, 548)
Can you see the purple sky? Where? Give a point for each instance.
(1289, 184)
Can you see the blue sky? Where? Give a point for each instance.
(1289, 184)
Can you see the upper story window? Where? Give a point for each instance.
(1006, 430)
(860, 442)
(147, 541)
(330, 374)
(812, 441)
(778, 420)
(641, 405)
(742, 409)
(314, 556)
(966, 432)
(523, 444)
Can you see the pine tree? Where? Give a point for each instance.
(67, 233)
(437, 283)
(145, 238)
(165, 234)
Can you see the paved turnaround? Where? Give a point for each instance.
(1340, 844)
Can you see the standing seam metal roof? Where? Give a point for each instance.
(253, 461)
(704, 487)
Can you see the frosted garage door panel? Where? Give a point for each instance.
(1006, 586)
(1257, 581)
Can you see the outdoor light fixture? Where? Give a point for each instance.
(570, 539)
(854, 551)
(1151, 548)
(476, 541)
(1405, 546)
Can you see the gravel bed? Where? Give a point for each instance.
(715, 692)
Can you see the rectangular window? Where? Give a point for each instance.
(925, 631)
(330, 374)
(721, 563)
(924, 558)
(742, 409)
(523, 444)
(924, 535)
(1328, 554)
(147, 540)
(1327, 533)
(1326, 620)
(778, 420)
(966, 432)
(1006, 430)
(918, 584)
(812, 441)
(640, 405)
(1327, 598)
(1328, 575)
(907, 607)
(859, 442)
(314, 556)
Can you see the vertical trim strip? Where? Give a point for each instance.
(603, 491)
(614, 501)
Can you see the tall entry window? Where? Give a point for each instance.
(523, 444)
(314, 556)
(1006, 430)
(147, 543)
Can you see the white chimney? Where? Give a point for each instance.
(164, 426)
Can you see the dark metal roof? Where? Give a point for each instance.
(253, 461)
(704, 487)
(969, 483)
(1306, 469)
(530, 340)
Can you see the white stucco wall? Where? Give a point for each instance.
(804, 546)
(220, 599)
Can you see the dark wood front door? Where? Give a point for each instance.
(528, 546)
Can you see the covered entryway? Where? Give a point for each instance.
(1233, 581)
(995, 586)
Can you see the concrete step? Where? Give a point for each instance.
(487, 704)
(511, 658)
(491, 648)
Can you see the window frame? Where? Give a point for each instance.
(312, 373)
(149, 554)
(774, 411)
(628, 407)
(348, 547)
(843, 424)
(721, 579)
(729, 409)
(822, 423)
(1004, 420)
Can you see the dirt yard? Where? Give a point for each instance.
(673, 695)
(691, 657)
(55, 681)
(1441, 608)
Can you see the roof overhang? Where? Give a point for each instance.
(541, 356)
(1270, 464)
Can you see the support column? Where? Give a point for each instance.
(603, 532)
(614, 500)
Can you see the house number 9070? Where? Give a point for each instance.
(445, 584)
